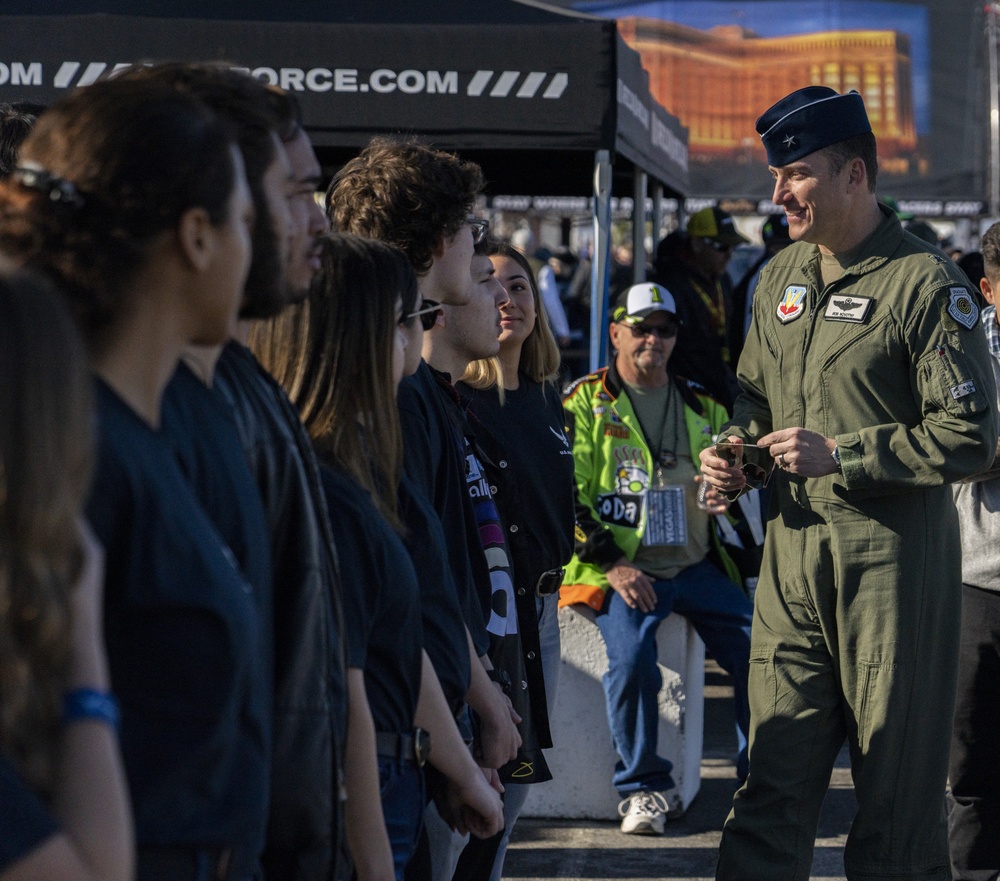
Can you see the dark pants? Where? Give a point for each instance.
(401, 785)
(974, 770)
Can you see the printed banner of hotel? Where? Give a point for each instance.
(921, 68)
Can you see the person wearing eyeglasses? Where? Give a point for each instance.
(646, 545)
(693, 268)
(420, 200)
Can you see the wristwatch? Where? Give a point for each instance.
(836, 458)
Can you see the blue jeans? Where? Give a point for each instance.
(721, 614)
(401, 786)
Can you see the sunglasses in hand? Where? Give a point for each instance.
(756, 477)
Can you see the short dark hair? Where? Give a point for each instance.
(404, 193)
(859, 147)
(990, 246)
(16, 122)
(257, 113)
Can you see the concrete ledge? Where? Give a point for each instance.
(583, 759)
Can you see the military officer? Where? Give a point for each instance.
(867, 388)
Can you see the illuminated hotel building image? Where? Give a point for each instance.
(718, 81)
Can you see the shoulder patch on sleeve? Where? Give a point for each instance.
(962, 306)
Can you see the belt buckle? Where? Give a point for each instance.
(549, 582)
(421, 746)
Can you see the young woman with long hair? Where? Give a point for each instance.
(340, 357)
(64, 813)
(515, 399)
(132, 198)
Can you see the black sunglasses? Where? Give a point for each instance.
(756, 477)
(427, 313)
(479, 229)
(663, 331)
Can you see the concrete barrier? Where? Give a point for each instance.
(583, 758)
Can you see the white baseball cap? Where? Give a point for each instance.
(642, 300)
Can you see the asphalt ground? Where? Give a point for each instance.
(546, 850)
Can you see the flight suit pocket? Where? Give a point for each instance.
(952, 382)
(763, 683)
(874, 689)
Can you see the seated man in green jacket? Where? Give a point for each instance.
(644, 537)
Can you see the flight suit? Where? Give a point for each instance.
(857, 611)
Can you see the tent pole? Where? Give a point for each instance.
(638, 225)
(657, 216)
(600, 268)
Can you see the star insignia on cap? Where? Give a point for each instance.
(789, 141)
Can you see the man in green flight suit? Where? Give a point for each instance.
(867, 387)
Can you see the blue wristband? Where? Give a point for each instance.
(89, 703)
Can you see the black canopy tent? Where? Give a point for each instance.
(547, 101)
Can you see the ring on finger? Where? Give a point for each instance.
(781, 460)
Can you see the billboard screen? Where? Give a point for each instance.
(920, 66)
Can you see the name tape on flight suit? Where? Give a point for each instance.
(850, 309)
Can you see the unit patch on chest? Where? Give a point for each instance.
(793, 303)
(850, 309)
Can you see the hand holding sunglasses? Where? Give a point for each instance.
(756, 477)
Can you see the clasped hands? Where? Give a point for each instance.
(795, 450)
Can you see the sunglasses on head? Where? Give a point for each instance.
(427, 313)
(663, 331)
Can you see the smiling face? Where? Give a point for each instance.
(519, 313)
(816, 199)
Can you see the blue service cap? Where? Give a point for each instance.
(809, 120)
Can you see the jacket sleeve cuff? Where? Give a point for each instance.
(851, 466)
